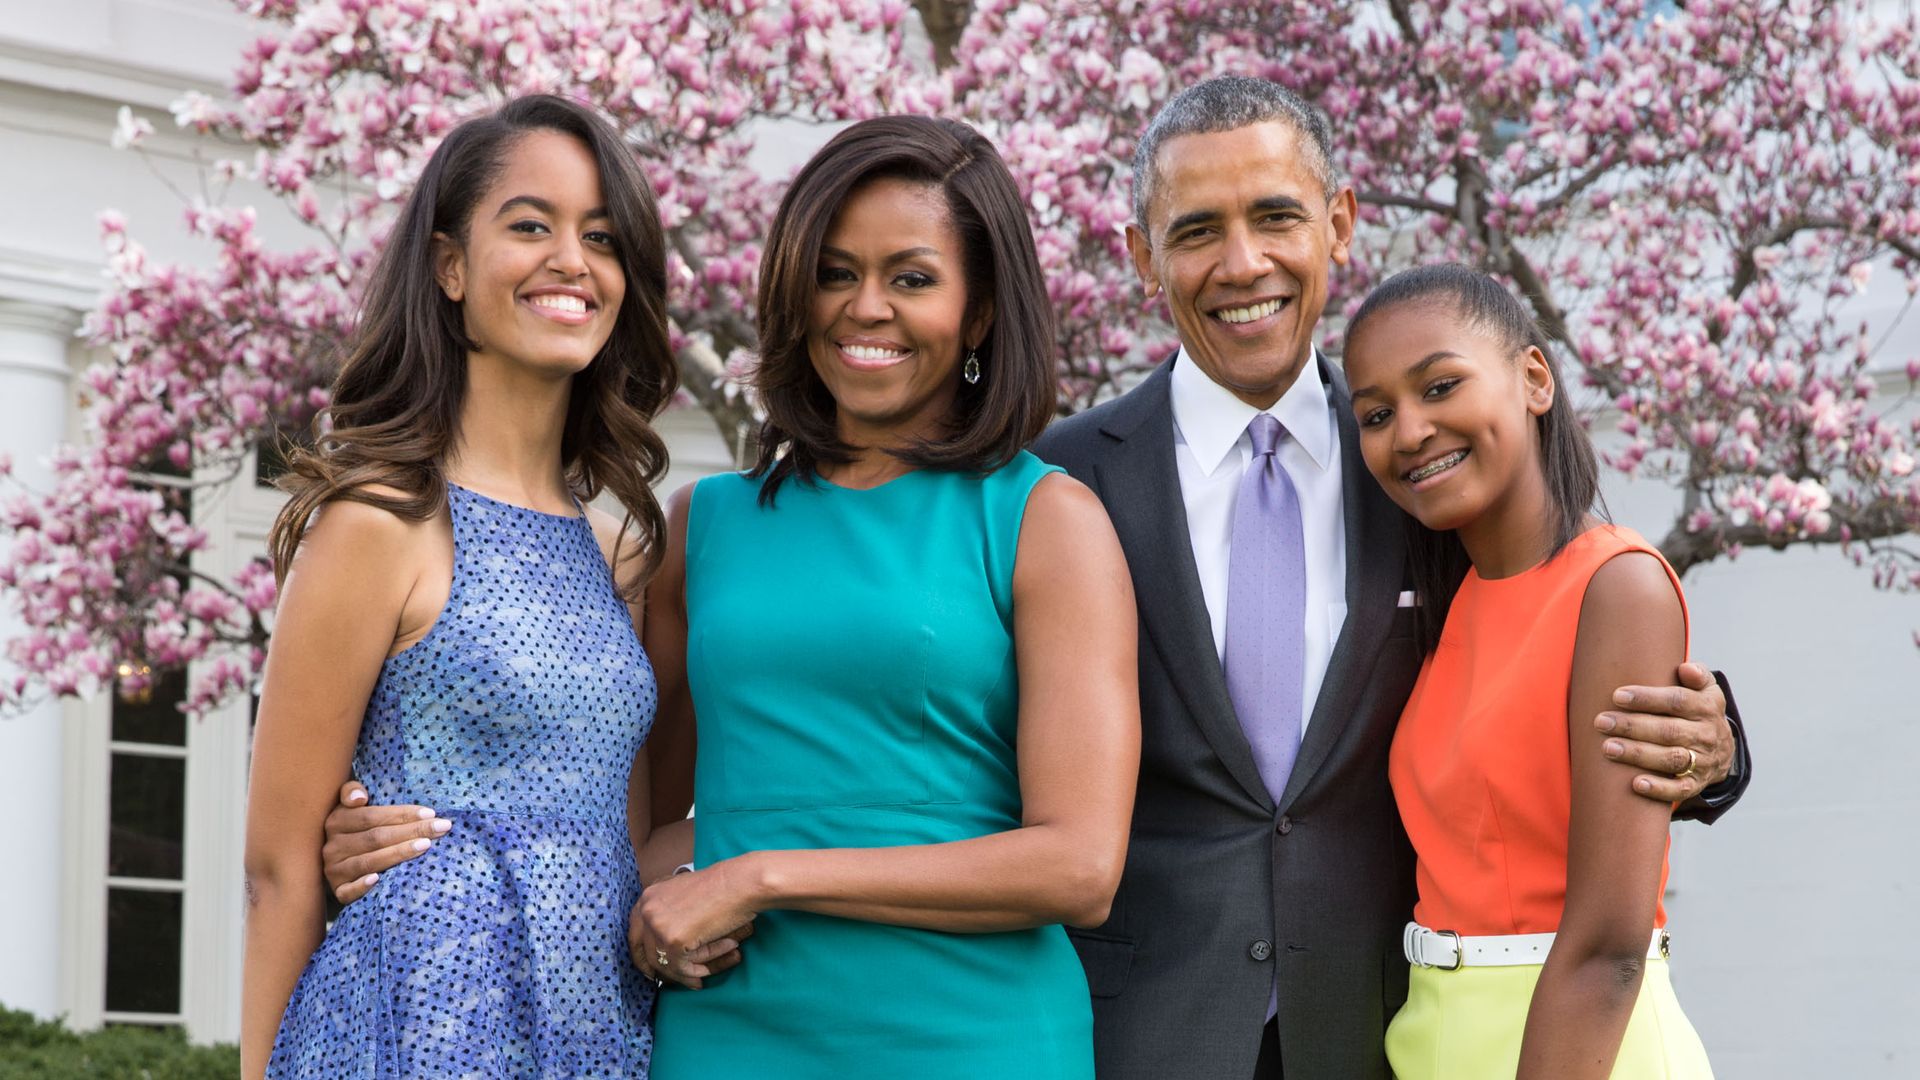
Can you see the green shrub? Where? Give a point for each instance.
(48, 1051)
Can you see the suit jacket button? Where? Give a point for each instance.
(1284, 825)
(1260, 950)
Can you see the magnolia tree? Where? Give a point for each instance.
(1689, 200)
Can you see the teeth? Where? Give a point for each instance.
(560, 302)
(1438, 466)
(869, 352)
(1248, 314)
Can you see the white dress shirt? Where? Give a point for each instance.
(1212, 449)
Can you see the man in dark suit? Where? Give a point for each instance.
(1257, 928)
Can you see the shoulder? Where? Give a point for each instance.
(1060, 500)
(1630, 578)
(1072, 435)
(609, 532)
(1064, 519)
(357, 518)
(352, 534)
(1631, 594)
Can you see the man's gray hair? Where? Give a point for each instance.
(1224, 104)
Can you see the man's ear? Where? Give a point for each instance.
(1142, 252)
(1536, 375)
(449, 268)
(1343, 210)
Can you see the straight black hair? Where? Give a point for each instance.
(1437, 560)
(994, 419)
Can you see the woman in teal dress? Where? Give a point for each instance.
(907, 648)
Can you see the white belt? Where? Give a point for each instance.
(1450, 951)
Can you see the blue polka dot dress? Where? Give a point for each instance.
(502, 950)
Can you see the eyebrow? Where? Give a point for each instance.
(1431, 359)
(1201, 217)
(898, 256)
(535, 202)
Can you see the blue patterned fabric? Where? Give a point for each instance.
(502, 950)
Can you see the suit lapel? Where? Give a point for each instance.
(1141, 483)
(1376, 558)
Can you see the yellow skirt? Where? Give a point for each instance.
(1467, 1025)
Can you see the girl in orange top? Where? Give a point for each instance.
(1537, 946)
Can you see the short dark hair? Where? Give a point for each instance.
(1439, 561)
(1224, 104)
(994, 419)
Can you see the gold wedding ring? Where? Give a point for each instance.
(1692, 760)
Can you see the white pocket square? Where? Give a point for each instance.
(1407, 599)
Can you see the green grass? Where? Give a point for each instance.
(29, 1047)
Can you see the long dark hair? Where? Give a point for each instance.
(1437, 560)
(396, 402)
(993, 420)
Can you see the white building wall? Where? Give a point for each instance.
(33, 414)
(1788, 914)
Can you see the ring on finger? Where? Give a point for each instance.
(1692, 760)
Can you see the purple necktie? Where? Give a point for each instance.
(1266, 608)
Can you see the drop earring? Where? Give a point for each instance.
(971, 371)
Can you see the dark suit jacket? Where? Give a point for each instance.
(1224, 890)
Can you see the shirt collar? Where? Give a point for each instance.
(1211, 419)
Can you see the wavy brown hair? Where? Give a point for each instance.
(396, 403)
(994, 419)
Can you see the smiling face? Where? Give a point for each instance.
(1238, 238)
(889, 321)
(538, 278)
(1447, 414)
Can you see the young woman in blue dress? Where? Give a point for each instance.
(456, 628)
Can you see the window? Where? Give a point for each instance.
(146, 864)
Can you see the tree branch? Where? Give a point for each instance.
(945, 21)
(1879, 520)
(1406, 202)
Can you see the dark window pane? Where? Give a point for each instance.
(155, 717)
(143, 951)
(147, 816)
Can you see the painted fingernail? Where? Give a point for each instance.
(356, 797)
(422, 844)
(425, 813)
(441, 825)
(370, 880)
(1606, 722)
(1613, 748)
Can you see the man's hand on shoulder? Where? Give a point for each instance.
(1678, 734)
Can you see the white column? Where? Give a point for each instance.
(34, 378)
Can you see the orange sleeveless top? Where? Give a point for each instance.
(1480, 765)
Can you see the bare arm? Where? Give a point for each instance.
(1631, 631)
(335, 625)
(1078, 757)
(1664, 728)
(672, 746)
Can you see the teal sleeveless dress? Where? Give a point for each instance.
(850, 655)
